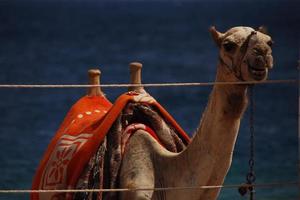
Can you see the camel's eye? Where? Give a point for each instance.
(229, 46)
(270, 43)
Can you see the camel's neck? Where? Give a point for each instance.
(210, 152)
(221, 119)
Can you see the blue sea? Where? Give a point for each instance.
(56, 42)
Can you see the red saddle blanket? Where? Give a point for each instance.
(78, 139)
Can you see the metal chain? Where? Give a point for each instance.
(250, 178)
(251, 174)
(298, 68)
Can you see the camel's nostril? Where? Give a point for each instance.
(259, 62)
(259, 51)
(260, 59)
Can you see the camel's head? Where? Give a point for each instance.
(245, 52)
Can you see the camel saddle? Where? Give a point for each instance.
(92, 139)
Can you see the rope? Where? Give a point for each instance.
(266, 185)
(288, 81)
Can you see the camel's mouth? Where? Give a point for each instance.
(257, 73)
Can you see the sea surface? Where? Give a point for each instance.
(56, 42)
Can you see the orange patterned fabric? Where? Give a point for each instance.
(55, 170)
(78, 139)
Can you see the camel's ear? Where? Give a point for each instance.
(216, 35)
(263, 29)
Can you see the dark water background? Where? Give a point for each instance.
(56, 42)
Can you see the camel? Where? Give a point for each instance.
(245, 55)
